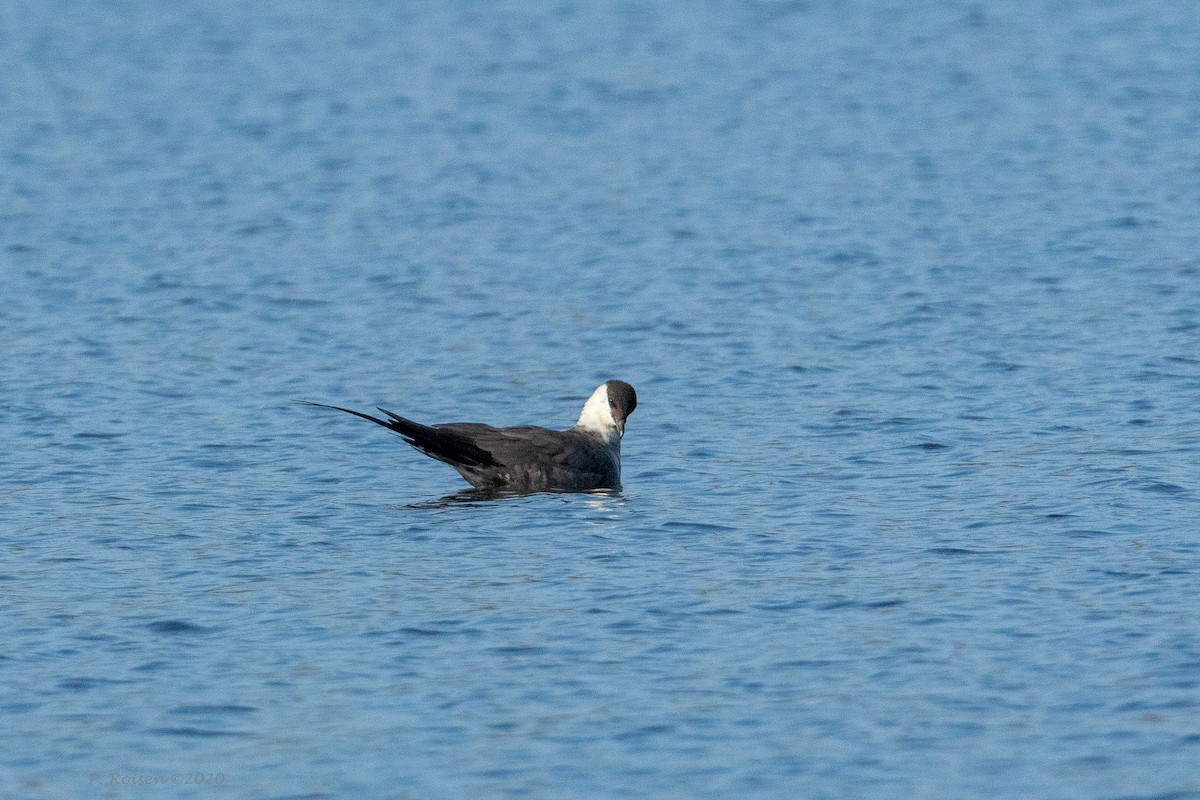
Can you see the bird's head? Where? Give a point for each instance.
(607, 409)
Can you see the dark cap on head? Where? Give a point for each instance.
(622, 399)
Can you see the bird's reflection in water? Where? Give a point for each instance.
(598, 498)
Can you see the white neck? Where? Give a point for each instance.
(597, 417)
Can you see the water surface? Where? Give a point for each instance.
(910, 294)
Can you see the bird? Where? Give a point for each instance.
(527, 458)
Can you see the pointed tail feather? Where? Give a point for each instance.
(453, 448)
(376, 420)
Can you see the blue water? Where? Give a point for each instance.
(910, 292)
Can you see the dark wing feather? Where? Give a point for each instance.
(532, 445)
(442, 442)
